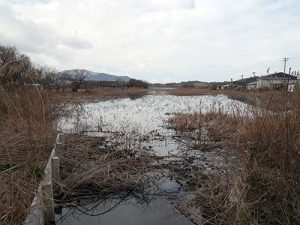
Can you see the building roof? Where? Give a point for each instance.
(278, 76)
(245, 81)
(252, 83)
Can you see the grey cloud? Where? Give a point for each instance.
(78, 43)
(30, 1)
(36, 39)
(185, 39)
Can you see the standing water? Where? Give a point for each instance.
(145, 116)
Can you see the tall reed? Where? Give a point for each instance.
(26, 135)
(264, 145)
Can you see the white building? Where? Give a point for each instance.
(276, 81)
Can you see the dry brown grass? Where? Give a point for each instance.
(26, 136)
(97, 167)
(99, 94)
(202, 91)
(265, 189)
(246, 96)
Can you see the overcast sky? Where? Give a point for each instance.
(156, 40)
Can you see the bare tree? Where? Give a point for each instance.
(76, 77)
(48, 77)
(8, 54)
(63, 80)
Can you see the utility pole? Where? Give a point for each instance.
(285, 60)
(287, 85)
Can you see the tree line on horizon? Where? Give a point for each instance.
(17, 70)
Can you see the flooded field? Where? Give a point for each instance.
(142, 115)
(142, 124)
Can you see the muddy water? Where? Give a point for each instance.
(147, 117)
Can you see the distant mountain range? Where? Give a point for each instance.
(93, 76)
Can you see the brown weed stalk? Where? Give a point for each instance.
(26, 137)
(265, 146)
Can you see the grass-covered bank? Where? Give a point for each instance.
(265, 146)
(26, 139)
(26, 134)
(29, 106)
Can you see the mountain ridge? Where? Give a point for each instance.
(93, 76)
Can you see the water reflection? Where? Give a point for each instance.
(145, 114)
(154, 206)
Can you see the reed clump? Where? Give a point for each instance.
(26, 137)
(265, 145)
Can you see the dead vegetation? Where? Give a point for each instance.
(205, 130)
(27, 128)
(26, 137)
(203, 91)
(265, 146)
(98, 94)
(101, 167)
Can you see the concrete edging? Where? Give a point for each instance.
(41, 211)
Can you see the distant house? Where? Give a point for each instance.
(244, 82)
(276, 81)
(227, 86)
(251, 85)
